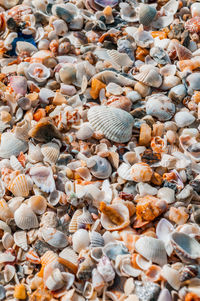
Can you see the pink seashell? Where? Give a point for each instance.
(19, 84)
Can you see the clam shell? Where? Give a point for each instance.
(96, 240)
(116, 124)
(11, 146)
(73, 225)
(38, 204)
(163, 231)
(54, 238)
(42, 176)
(7, 240)
(38, 72)
(15, 164)
(150, 78)
(19, 186)
(172, 276)
(25, 218)
(69, 258)
(112, 250)
(109, 225)
(5, 211)
(152, 249)
(51, 152)
(147, 14)
(124, 171)
(186, 247)
(99, 167)
(20, 240)
(80, 240)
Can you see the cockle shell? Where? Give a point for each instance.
(5, 211)
(147, 14)
(38, 204)
(19, 186)
(116, 124)
(25, 218)
(73, 225)
(80, 240)
(152, 249)
(10, 145)
(69, 258)
(149, 77)
(84, 219)
(20, 240)
(96, 240)
(34, 153)
(42, 176)
(54, 238)
(51, 152)
(99, 167)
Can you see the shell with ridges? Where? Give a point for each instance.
(85, 218)
(20, 240)
(73, 226)
(10, 145)
(25, 218)
(96, 240)
(146, 14)
(7, 240)
(51, 152)
(149, 77)
(69, 258)
(19, 186)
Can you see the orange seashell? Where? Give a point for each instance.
(114, 216)
(19, 186)
(141, 53)
(193, 25)
(158, 144)
(192, 297)
(169, 176)
(196, 97)
(121, 102)
(129, 237)
(46, 259)
(139, 223)
(96, 86)
(53, 46)
(158, 129)
(133, 261)
(156, 179)
(160, 34)
(32, 256)
(141, 172)
(39, 114)
(154, 273)
(178, 215)
(149, 207)
(22, 159)
(145, 134)
(191, 65)
(20, 292)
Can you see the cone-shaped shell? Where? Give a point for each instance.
(116, 124)
(19, 186)
(25, 218)
(5, 211)
(146, 14)
(51, 152)
(10, 145)
(149, 77)
(152, 249)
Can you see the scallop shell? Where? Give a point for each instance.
(163, 230)
(186, 247)
(20, 240)
(80, 240)
(99, 167)
(172, 276)
(7, 240)
(15, 164)
(38, 204)
(42, 176)
(69, 258)
(152, 249)
(73, 225)
(5, 211)
(84, 219)
(51, 152)
(11, 146)
(150, 78)
(25, 218)
(54, 238)
(19, 186)
(116, 124)
(147, 14)
(96, 240)
(9, 272)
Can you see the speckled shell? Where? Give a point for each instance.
(160, 106)
(20, 240)
(73, 226)
(116, 124)
(10, 145)
(25, 218)
(152, 249)
(51, 152)
(123, 211)
(19, 186)
(54, 238)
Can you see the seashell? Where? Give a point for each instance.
(54, 237)
(6, 258)
(44, 131)
(190, 146)
(11, 146)
(9, 272)
(25, 218)
(19, 84)
(80, 240)
(121, 127)
(188, 272)
(152, 249)
(167, 194)
(149, 77)
(192, 25)
(48, 258)
(153, 273)
(195, 10)
(105, 269)
(114, 217)
(69, 258)
(64, 12)
(159, 55)
(25, 46)
(163, 231)
(42, 176)
(124, 171)
(5, 212)
(51, 152)
(186, 247)
(164, 295)
(68, 74)
(141, 172)
(143, 38)
(170, 82)
(38, 72)
(15, 164)
(177, 93)
(20, 240)
(97, 280)
(38, 204)
(19, 186)
(147, 14)
(96, 253)
(85, 268)
(159, 106)
(84, 219)
(184, 119)
(112, 250)
(55, 281)
(172, 276)
(32, 256)
(73, 225)
(7, 240)
(149, 207)
(34, 153)
(99, 167)
(85, 132)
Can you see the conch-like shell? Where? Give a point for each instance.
(116, 124)
(10, 145)
(42, 176)
(19, 186)
(25, 218)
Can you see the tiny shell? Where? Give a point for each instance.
(25, 218)
(163, 231)
(7, 240)
(150, 78)
(160, 106)
(184, 119)
(80, 240)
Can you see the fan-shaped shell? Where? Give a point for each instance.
(73, 226)
(51, 152)
(7, 240)
(69, 258)
(19, 186)
(20, 240)
(80, 240)
(96, 240)
(152, 249)
(54, 238)
(10, 145)
(5, 211)
(84, 219)
(149, 77)
(116, 124)
(42, 176)
(172, 276)
(25, 218)
(146, 14)
(15, 164)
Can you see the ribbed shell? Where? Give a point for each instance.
(152, 249)
(73, 226)
(150, 78)
(96, 240)
(69, 258)
(51, 152)
(15, 164)
(20, 240)
(116, 124)
(7, 240)
(146, 14)
(19, 186)
(25, 218)
(10, 145)
(85, 218)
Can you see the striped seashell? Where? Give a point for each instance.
(124, 172)
(84, 219)
(25, 218)
(32, 256)
(20, 240)
(15, 164)
(80, 240)
(38, 204)
(147, 14)
(73, 225)
(69, 258)
(5, 211)
(96, 240)
(149, 77)
(47, 258)
(54, 238)
(51, 152)
(7, 240)
(19, 186)
(116, 124)
(10, 145)
(9, 272)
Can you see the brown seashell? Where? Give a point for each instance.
(145, 134)
(38, 204)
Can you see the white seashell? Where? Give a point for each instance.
(170, 8)
(160, 106)
(20, 240)
(184, 119)
(19, 186)
(123, 212)
(6, 257)
(42, 176)
(123, 266)
(167, 194)
(99, 167)
(88, 290)
(97, 280)
(96, 240)
(60, 27)
(146, 189)
(51, 152)
(170, 82)
(114, 89)
(143, 38)
(164, 295)
(114, 249)
(5, 212)
(7, 240)
(55, 281)
(34, 153)
(38, 72)
(9, 272)
(14, 203)
(124, 171)
(152, 249)
(128, 12)
(54, 238)
(142, 262)
(85, 132)
(116, 124)
(80, 240)
(15, 164)
(168, 70)
(10, 145)
(195, 9)
(149, 77)
(163, 230)
(105, 269)
(172, 276)
(25, 218)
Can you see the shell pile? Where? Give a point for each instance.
(100, 150)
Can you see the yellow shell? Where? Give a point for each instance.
(20, 292)
(19, 186)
